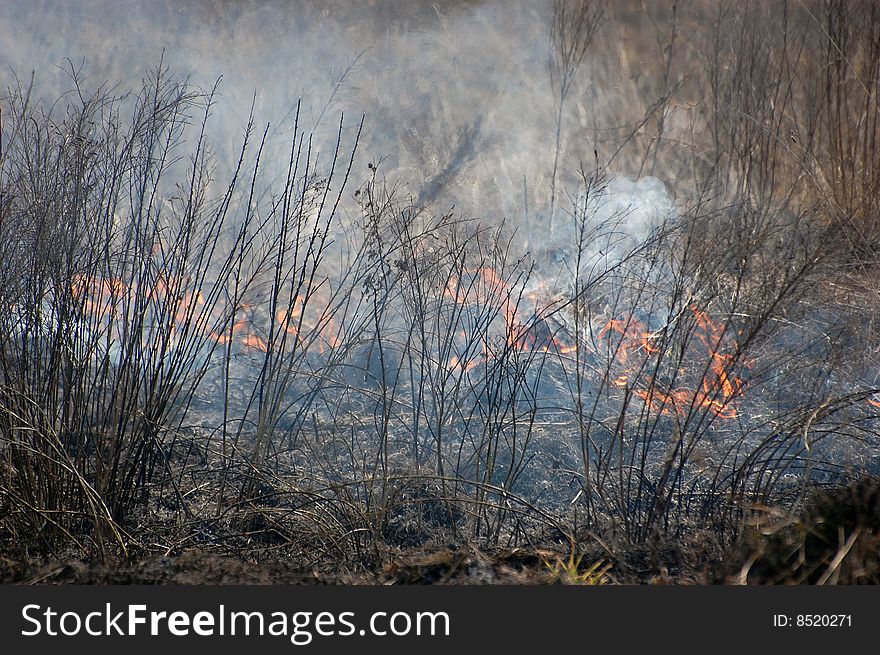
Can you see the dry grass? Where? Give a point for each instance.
(312, 366)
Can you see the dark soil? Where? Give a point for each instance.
(446, 566)
(834, 538)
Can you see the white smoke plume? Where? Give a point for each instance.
(458, 101)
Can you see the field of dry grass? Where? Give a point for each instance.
(290, 364)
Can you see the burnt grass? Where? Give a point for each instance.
(834, 538)
(803, 549)
(282, 366)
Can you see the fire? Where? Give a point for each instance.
(461, 366)
(257, 343)
(184, 306)
(717, 389)
(242, 329)
(621, 381)
(289, 320)
(634, 337)
(678, 401)
(525, 325)
(169, 297)
(190, 302)
(318, 320)
(99, 297)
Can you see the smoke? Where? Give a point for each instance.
(641, 205)
(461, 117)
(458, 102)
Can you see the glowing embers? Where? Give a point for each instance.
(522, 324)
(709, 352)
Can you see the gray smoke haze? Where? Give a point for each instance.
(367, 357)
(457, 97)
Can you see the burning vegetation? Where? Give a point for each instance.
(303, 360)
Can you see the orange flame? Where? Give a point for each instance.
(459, 366)
(243, 329)
(717, 389)
(318, 320)
(98, 296)
(487, 287)
(257, 343)
(634, 337)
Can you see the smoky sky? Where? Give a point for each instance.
(457, 98)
